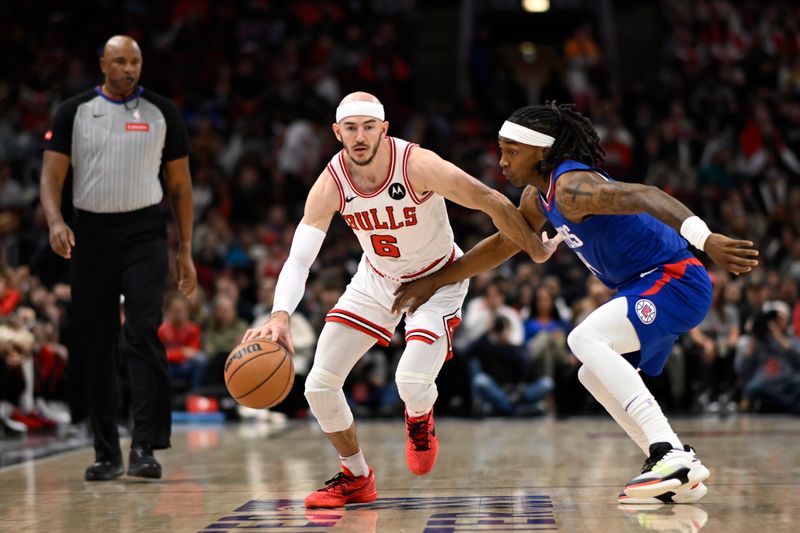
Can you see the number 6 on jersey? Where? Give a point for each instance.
(385, 245)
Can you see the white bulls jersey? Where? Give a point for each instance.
(404, 234)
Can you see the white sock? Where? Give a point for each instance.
(598, 342)
(356, 464)
(625, 385)
(614, 408)
(645, 411)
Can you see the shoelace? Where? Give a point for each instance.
(418, 431)
(649, 463)
(339, 479)
(653, 460)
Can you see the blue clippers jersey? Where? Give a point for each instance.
(616, 248)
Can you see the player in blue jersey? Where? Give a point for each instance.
(635, 239)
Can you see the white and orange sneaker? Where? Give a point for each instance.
(344, 488)
(689, 495)
(422, 446)
(667, 469)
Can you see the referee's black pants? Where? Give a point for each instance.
(122, 253)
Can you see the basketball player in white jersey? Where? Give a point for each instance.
(391, 193)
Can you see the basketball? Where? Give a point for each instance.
(259, 373)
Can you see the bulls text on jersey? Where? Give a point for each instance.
(372, 219)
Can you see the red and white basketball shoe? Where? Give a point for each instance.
(422, 446)
(344, 488)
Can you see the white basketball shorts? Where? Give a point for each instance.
(367, 302)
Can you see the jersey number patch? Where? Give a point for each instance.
(575, 242)
(385, 245)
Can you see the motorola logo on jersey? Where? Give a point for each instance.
(397, 191)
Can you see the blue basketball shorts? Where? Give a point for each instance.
(664, 304)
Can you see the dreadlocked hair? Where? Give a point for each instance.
(574, 134)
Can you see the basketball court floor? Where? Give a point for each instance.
(492, 475)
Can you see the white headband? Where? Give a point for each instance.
(368, 109)
(515, 132)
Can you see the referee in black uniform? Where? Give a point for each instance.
(117, 137)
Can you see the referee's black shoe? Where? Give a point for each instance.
(142, 463)
(104, 471)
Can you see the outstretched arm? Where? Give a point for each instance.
(486, 255)
(581, 194)
(429, 172)
(322, 203)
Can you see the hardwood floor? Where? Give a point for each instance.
(492, 475)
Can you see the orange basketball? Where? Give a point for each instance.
(259, 373)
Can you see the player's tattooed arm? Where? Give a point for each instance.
(580, 194)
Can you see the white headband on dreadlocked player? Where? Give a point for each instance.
(351, 109)
(521, 134)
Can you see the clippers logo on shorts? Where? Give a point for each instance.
(137, 126)
(397, 191)
(646, 311)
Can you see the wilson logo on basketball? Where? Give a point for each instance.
(250, 348)
(137, 126)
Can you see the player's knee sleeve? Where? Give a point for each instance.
(326, 399)
(418, 391)
(416, 374)
(593, 385)
(585, 377)
(584, 341)
(606, 328)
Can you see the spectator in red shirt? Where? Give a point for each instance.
(9, 298)
(182, 340)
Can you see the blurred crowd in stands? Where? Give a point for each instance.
(715, 121)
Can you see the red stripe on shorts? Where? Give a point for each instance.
(420, 330)
(672, 271)
(426, 340)
(361, 324)
(423, 335)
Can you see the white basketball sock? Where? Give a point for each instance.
(598, 342)
(614, 408)
(645, 411)
(356, 464)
